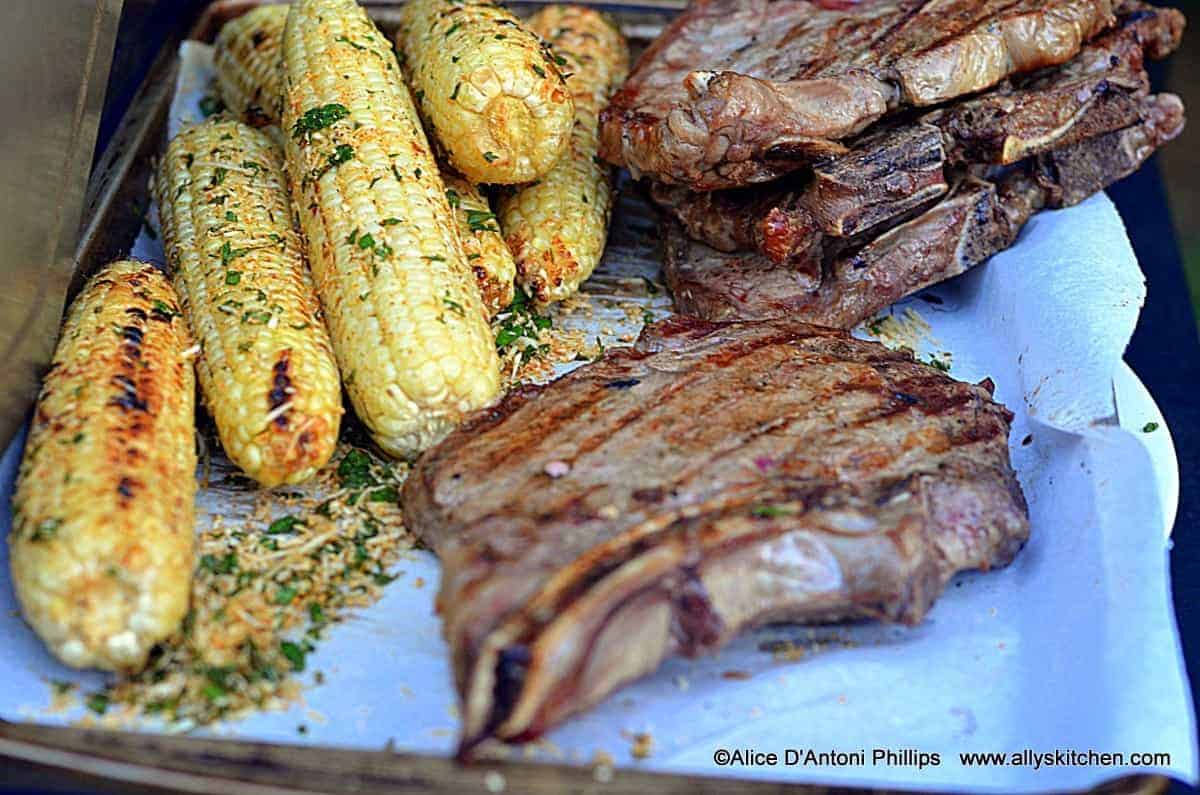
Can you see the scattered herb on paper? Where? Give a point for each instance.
(267, 586)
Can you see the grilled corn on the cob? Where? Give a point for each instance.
(102, 536)
(492, 93)
(267, 370)
(249, 63)
(483, 245)
(405, 315)
(557, 227)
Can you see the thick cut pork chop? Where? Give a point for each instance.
(905, 164)
(741, 91)
(711, 478)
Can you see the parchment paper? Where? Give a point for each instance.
(1072, 647)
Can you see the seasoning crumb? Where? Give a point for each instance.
(736, 675)
(643, 744)
(556, 469)
(602, 767)
(1028, 440)
(494, 781)
(266, 589)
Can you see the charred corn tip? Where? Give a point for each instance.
(102, 535)
(267, 370)
(492, 93)
(557, 227)
(248, 58)
(483, 245)
(405, 316)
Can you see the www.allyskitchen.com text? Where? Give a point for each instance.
(919, 759)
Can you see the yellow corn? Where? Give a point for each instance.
(407, 322)
(249, 63)
(267, 370)
(484, 247)
(493, 95)
(102, 535)
(557, 227)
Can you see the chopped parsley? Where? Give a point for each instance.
(210, 105)
(491, 157)
(233, 277)
(45, 530)
(316, 119)
(519, 328)
(354, 471)
(481, 221)
(284, 524)
(229, 253)
(770, 511)
(1150, 427)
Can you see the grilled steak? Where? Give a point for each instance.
(978, 219)
(741, 91)
(592, 527)
(958, 233)
(887, 175)
(902, 167)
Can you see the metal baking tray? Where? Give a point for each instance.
(43, 756)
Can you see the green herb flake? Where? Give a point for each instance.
(284, 524)
(98, 703)
(45, 530)
(491, 157)
(233, 277)
(316, 119)
(285, 595)
(341, 154)
(385, 494)
(210, 105)
(294, 653)
(230, 215)
(770, 511)
(390, 221)
(481, 221)
(1150, 427)
(354, 471)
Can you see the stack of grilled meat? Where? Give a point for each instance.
(820, 160)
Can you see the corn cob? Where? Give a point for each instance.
(557, 227)
(102, 535)
(405, 315)
(492, 93)
(484, 247)
(267, 370)
(249, 63)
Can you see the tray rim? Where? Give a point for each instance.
(117, 760)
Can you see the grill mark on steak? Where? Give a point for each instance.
(520, 574)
